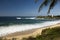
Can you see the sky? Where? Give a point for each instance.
(25, 8)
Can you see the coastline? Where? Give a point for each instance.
(19, 28)
(26, 34)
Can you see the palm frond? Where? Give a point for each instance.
(52, 4)
(44, 3)
(36, 1)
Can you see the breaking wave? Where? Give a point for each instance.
(17, 28)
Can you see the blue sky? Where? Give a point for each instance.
(24, 8)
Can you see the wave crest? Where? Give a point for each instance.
(17, 28)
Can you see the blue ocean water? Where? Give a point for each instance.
(6, 21)
(10, 25)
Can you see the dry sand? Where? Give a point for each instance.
(25, 34)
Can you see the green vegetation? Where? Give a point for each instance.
(49, 17)
(29, 38)
(1, 38)
(14, 38)
(47, 34)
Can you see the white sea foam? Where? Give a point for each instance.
(17, 28)
(31, 18)
(18, 18)
(25, 18)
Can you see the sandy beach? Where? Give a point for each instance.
(26, 34)
(29, 19)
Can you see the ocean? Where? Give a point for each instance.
(15, 24)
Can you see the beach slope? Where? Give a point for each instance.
(26, 34)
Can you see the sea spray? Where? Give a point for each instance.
(18, 28)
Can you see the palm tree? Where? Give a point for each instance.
(51, 4)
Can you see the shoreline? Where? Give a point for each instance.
(21, 28)
(26, 34)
